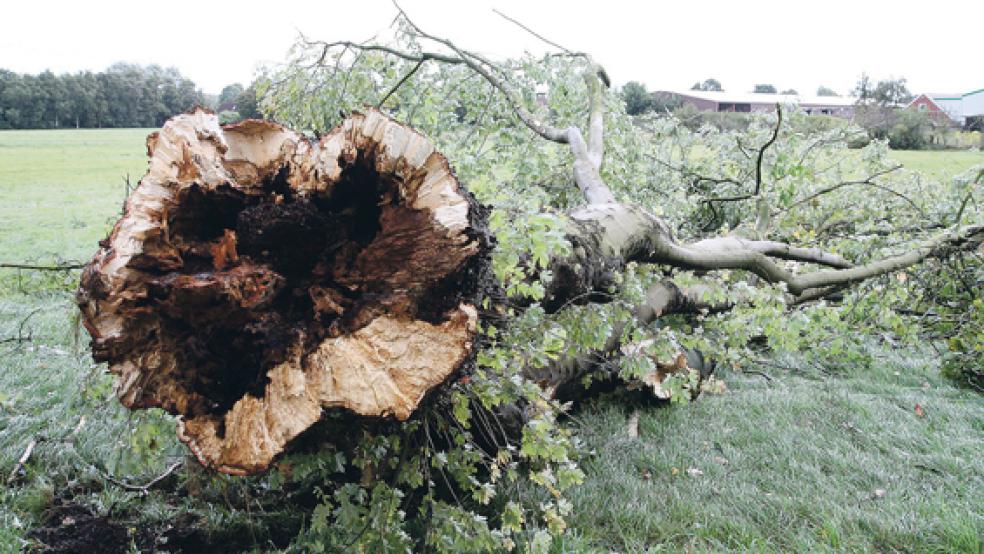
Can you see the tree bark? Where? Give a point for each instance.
(258, 278)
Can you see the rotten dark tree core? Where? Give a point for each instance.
(257, 278)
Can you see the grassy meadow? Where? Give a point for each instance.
(60, 190)
(939, 164)
(795, 456)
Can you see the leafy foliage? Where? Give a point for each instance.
(676, 171)
(708, 84)
(888, 92)
(637, 98)
(451, 479)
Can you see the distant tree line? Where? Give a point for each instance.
(125, 95)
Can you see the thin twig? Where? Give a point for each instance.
(761, 153)
(531, 31)
(20, 330)
(759, 373)
(144, 488)
(698, 178)
(866, 181)
(400, 83)
(966, 199)
(65, 267)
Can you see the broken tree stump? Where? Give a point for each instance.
(257, 278)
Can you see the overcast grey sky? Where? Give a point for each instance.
(938, 46)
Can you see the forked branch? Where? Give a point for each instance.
(588, 154)
(759, 160)
(760, 264)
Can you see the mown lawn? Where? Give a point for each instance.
(939, 164)
(805, 462)
(795, 457)
(61, 190)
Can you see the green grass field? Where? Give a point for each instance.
(941, 164)
(798, 457)
(60, 190)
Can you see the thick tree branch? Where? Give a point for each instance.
(773, 249)
(563, 378)
(962, 238)
(816, 294)
(619, 234)
(759, 263)
(596, 115)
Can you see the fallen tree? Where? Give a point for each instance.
(257, 277)
(260, 280)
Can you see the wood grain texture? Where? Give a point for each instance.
(257, 278)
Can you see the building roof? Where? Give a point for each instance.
(952, 96)
(943, 95)
(764, 98)
(929, 96)
(954, 105)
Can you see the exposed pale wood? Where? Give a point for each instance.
(383, 369)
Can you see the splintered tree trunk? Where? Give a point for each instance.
(257, 278)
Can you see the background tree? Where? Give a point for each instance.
(863, 89)
(708, 85)
(892, 92)
(878, 111)
(790, 91)
(637, 98)
(665, 102)
(229, 94)
(247, 103)
(824, 91)
(764, 89)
